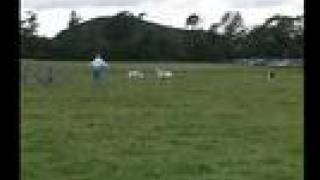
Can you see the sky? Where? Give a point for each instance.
(53, 15)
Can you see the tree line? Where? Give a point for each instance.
(126, 36)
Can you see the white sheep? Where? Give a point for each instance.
(164, 74)
(135, 74)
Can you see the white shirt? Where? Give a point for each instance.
(98, 62)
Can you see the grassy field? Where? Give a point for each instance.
(211, 122)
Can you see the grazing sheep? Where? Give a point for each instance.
(164, 74)
(135, 74)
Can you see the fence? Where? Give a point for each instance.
(39, 73)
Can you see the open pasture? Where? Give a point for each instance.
(209, 122)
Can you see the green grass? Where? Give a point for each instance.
(211, 122)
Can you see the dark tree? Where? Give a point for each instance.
(214, 28)
(141, 15)
(124, 14)
(29, 25)
(232, 22)
(192, 21)
(74, 19)
(28, 31)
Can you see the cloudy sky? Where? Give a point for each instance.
(53, 15)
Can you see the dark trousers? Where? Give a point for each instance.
(97, 75)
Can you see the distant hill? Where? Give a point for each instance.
(127, 37)
(123, 38)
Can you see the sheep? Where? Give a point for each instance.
(164, 74)
(135, 74)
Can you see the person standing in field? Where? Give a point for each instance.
(98, 67)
